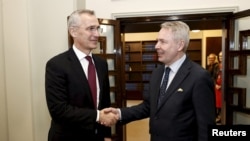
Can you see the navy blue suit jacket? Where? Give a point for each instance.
(187, 109)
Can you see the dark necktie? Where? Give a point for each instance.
(92, 79)
(163, 85)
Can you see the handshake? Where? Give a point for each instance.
(109, 116)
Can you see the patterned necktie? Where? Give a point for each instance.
(92, 79)
(163, 85)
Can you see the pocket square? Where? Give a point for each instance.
(180, 90)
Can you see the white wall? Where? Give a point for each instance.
(17, 70)
(105, 8)
(48, 37)
(32, 31)
(3, 113)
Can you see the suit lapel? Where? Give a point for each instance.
(156, 84)
(98, 70)
(77, 67)
(179, 77)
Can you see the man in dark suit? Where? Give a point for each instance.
(185, 107)
(75, 113)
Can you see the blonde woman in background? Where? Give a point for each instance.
(212, 64)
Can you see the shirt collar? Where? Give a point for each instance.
(177, 64)
(80, 55)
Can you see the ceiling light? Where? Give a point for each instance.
(197, 30)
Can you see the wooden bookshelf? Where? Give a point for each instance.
(140, 60)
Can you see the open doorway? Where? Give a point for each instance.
(202, 22)
(208, 21)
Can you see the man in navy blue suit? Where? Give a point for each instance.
(186, 107)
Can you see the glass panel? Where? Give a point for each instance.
(113, 130)
(234, 45)
(240, 24)
(235, 62)
(241, 118)
(235, 99)
(111, 64)
(242, 81)
(247, 83)
(112, 80)
(244, 23)
(246, 41)
(112, 97)
(108, 32)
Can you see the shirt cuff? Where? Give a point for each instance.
(120, 114)
(97, 117)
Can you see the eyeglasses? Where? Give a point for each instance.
(93, 29)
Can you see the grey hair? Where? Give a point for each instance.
(180, 31)
(74, 18)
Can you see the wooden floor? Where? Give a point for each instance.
(137, 130)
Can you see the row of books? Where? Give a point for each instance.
(140, 67)
(138, 57)
(136, 86)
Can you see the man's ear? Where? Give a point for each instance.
(181, 45)
(73, 32)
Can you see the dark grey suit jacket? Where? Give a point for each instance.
(69, 98)
(187, 109)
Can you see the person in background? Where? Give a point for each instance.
(184, 109)
(76, 116)
(218, 90)
(212, 65)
